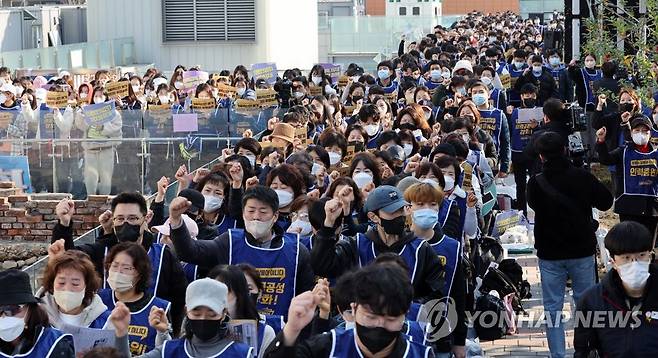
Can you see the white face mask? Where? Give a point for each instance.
(178, 85)
(285, 197)
(306, 228)
(640, 138)
(99, 99)
(316, 80)
(362, 179)
(212, 203)
(241, 91)
(315, 169)
(68, 300)
(655, 119)
(450, 183)
(334, 158)
(486, 80)
(298, 94)
(119, 282)
(136, 89)
(164, 99)
(84, 95)
(408, 148)
(634, 274)
(372, 129)
(258, 229)
(3, 98)
(11, 328)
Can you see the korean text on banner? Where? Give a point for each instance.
(99, 113)
(186, 122)
(331, 70)
(56, 99)
(191, 79)
(117, 89)
(266, 71)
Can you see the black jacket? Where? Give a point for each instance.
(547, 88)
(613, 126)
(625, 204)
(210, 253)
(172, 283)
(530, 150)
(560, 233)
(639, 338)
(331, 257)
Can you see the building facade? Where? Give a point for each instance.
(425, 8)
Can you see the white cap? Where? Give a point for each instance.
(192, 227)
(158, 81)
(8, 87)
(64, 73)
(463, 65)
(206, 292)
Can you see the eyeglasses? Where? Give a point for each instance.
(11, 310)
(133, 220)
(115, 266)
(300, 216)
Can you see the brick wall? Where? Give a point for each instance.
(31, 217)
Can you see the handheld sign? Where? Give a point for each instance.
(99, 113)
(203, 103)
(526, 115)
(300, 133)
(266, 97)
(315, 91)
(186, 122)
(191, 79)
(266, 71)
(247, 104)
(391, 97)
(343, 81)
(117, 89)
(245, 331)
(224, 90)
(331, 70)
(56, 99)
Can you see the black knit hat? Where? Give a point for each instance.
(195, 197)
(15, 288)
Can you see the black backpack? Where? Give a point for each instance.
(495, 280)
(514, 272)
(490, 326)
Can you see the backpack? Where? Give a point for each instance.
(514, 272)
(496, 280)
(491, 251)
(490, 326)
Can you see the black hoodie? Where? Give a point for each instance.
(638, 338)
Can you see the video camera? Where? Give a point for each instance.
(576, 121)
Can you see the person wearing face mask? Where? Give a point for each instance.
(563, 197)
(369, 119)
(163, 234)
(385, 208)
(628, 288)
(261, 244)
(386, 77)
(240, 306)
(206, 326)
(541, 78)
(318, 78)
(636, 182)
(288, 183)
(128, 274)
(616, 122)
(434, 75)
(24, 327)
(494, 122)
(496, 95)
(255, 286)
(560, 75)
(299, 89)
(584, 79)
(425, 200)
(68, 293)
(300, 223)
(127, 221)
(380, 304)
(516, 69)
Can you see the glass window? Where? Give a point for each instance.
(416, 10)
(403, 11)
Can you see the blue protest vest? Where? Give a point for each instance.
(414, 311)
(432, 86)
(100, 321)
(155, 253)
(46, 341)
(444, 211)
(513, 96)
(190, 271)
(277, 268)
(226, 223)
(556, 72)
(409, 253)
(275, 321)
(344, 346)
(640, 172)
(306, 241)
(520, 133)
(501, 67)
(448, 250)
(372, 142)
(491, 121)
(461, 202)
(140, 334)
(176, 349)
(495, 97)
(390, 88)
(654, 137)
(415, 331)
(588, 82)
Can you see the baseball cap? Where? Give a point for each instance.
(640, 120)
(387, 198)
(206, 292)
(191, 225)
(194, 196)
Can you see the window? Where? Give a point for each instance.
(416, 11)
(209, 20)
(403, 11)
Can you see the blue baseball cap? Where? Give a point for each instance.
(387, 198)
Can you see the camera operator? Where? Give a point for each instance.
(562, 197)
(556, 119)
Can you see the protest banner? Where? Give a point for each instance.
(159, 107)
(99, 113)
(247, 104)
(332, 70)
(506, 220)
(266, 71)
(56, 99)
(343, 81)
(526, 115)
(117, 89)
(391, 97)
(315, 91)
(224, 90)
(302, 135)
(186, 122)
(203, 103)
(191, 79)
(266, 97)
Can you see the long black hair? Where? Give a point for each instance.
(233, 277)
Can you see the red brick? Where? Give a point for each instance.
(18, 198)
(30, 219)
(6, 184)
(50, 204)
(15, 212)
(97, 198)
(7, 219)
(3, 201)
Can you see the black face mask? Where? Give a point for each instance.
(356, 99)
(529, 102)
(358, 146)
(206, 329)
(407, 126)
(626, 107)
(127, 232)
(375, 338)
(393, 226)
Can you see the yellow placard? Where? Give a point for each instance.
(343, 81)
(391, 97)
(247, 104)
(117, 89)
(203, 103)
(5, 119)
(57, 99)
(159, 107)
(266, 97)
(315, 91)
(224, 90)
